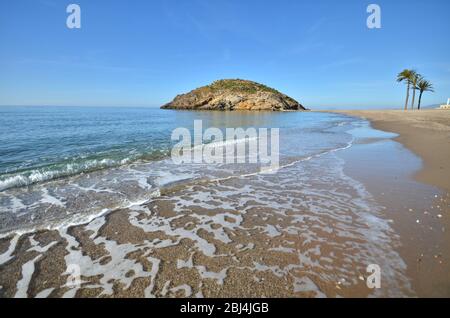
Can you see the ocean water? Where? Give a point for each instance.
(68, 164)
(307, 229)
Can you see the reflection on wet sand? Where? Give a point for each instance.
(280, 235)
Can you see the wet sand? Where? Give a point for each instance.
(258, 236)
(309, 230)
(420, 214)
(239, 237)
(425, 132)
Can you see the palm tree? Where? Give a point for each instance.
(415, 77)
(406, 76)
(423, 86)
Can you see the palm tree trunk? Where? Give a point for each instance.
(413, 98)
(407, 97)
(420, 100)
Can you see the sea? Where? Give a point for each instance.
(67, 166)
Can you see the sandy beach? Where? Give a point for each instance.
(422, 223)
(309, 230)
(200, 152)
(425, 132)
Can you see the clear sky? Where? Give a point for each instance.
(143, 53)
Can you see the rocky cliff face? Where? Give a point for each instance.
(234, 95)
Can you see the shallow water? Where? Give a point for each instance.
(67, 165)
(153, 228)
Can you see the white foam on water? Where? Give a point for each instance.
(24, 282)
(186, 288)
(45, 293)
(282, 249)
(326, 203)
(114, 270)
(276, 270)
(272, 231)
(41, 175)
(185, 264)
(47, 198)
(305, 284)
(218, 276)
(6, 256)
(79, 219)
(162, 224)
(16, 204)
(37, 248)
(13, 182)
(310, 199)
(167, 177)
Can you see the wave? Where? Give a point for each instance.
(57, 171)
(78, 219)
(166, 184)
(62, 170)
(131, 183)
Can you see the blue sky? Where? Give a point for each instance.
(143, 53)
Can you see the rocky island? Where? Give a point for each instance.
(234, 94)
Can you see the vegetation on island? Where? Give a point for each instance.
(239, 85)
(234, 94)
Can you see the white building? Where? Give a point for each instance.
(446, 106)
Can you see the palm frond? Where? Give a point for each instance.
(424, 86)
(406, 76)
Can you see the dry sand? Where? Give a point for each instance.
(425, 132)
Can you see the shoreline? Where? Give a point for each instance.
(419, 213)
(260, 236)
(426, 133)
(204, 240)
